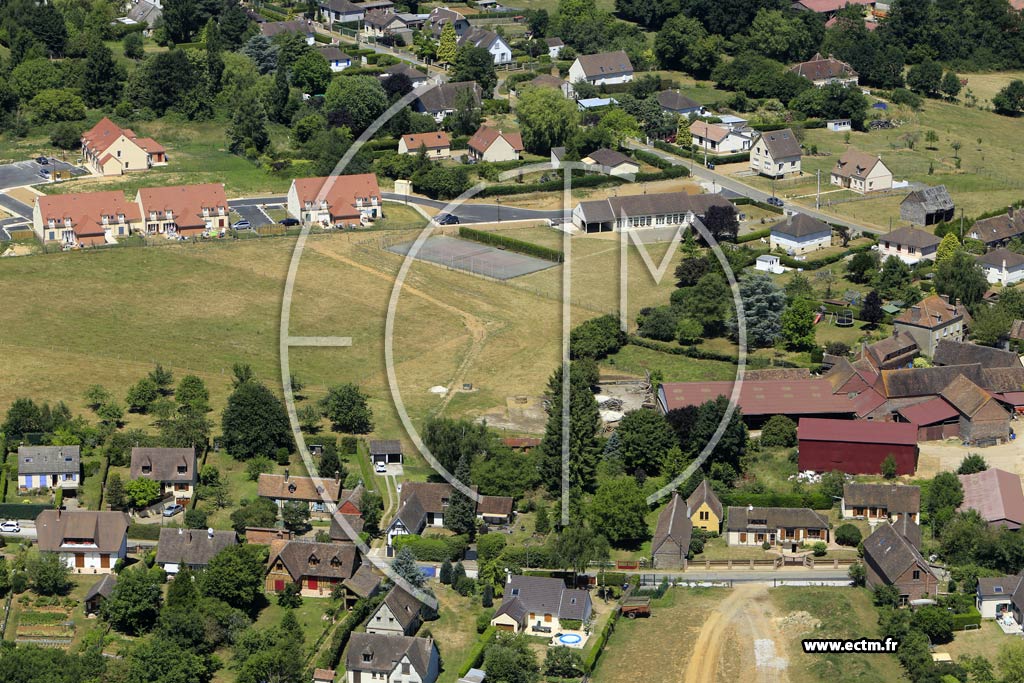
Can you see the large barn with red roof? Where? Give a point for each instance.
(855, 447)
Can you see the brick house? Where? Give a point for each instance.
(319, 568)
(173, 468)
(892, 560)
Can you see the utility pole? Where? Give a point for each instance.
(961, 225)
(817, 196)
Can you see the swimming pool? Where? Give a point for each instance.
(569, 639)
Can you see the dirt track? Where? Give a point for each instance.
(741, 626)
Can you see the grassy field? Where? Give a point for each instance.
(657, 649)
(635, 360)
(454, 630)
(832, 613)
(986, 641)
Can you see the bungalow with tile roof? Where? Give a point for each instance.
(320, 568)
(495, 510)
(800, 234)
(861, 172)
(890, 559)
(399, 614)
(173, 468)
(932, 319)
(674, 102)
(996, 495)
(888, 502)
(336, 59)
(424, 504)
(184, 210)
(997, 231)
(1002, 266)
(499, 50)
(704, 508)
(670, 545)
(108, 149)
(822, 71)
(49, 467)
(784, 527)
(908, 244)
(437, 144)
(324, 675)
(994, 595)
(440, 101)
(192, 548)
(928, 206)
(716, 139)
(322, 497)
(604, 68)
(415, 76)
(617, 163)
(87, 541)
(537, 605)
(776, 153)
(492, 144)
(385, 657)
(345, 200)
(299, 27)
(84, 219)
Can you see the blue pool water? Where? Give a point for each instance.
(569, 639)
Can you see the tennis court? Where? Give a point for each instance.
(474, 257)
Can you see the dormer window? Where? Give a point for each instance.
(367, 656)
(182, 469)
(146, 469)
(291, 487)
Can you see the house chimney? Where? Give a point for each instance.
(944, 297)
(286, 474)
(1009, 212)
(915, 313)
(337, 476)
(209, 532)
(181, 531)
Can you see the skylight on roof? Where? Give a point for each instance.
(997, 589)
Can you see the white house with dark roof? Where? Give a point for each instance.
(674, 102)
(715, 139)
(994, 595)
(87, 541)
(1002, 266)
(441, 101)
(439, 16)
(861, 172)
(800, 234)
(788, 527)
(193, 548)
(501, 53)
(537, 605)
(634, 212)
(617, 163)
(399, 614)
(554, 46)
(908, 244)
(775, 153)
(604, 68)
(342, 11)
(49, 467)
(391, 659)
(336, 59)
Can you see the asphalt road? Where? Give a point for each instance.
(253, 213)
(27, 172)
(256, 201)
(732, 184)
(12, 205)
(480, 213)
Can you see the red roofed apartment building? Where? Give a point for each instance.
(109, 149)
(183, 210)
(856, 446)
(346, 200)
(84, 219)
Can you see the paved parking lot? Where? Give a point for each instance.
(27, 172)
(256, 216)
(15, 208)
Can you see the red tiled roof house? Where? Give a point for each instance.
(109, 149)
(345, 200)
(84, 218)
(183, 210)
(491, 144)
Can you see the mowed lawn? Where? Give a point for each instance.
(820, 612)
(659, 648)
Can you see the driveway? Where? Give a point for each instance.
(253, 213)
(480, 213)
(27, 172)
(12, 205)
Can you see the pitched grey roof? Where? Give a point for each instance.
(610, 158)
(540, 594)
(998, 586)
(781, 143)
(442, 97)
(932, 198)
(908, 529)
(675, 101)
(194, 547)
(606, 64)
(302, 558)
(364, 582)
(411, 513)
(802, 225)
(673, 524)
(380, 653)
(742, 518)
(332, 53)
(385, 446)
(898, 500)
(950, 352)
(404, 606)
(891, 554)
(176, 465)
(479, 37)
(49, 459)
(926, 381)
(998, 257)
(106, 529)
(553, 42)
(104, 587)
(338, 532)
(704, 494)
(144, 12)
(413, 73)
(911, 237)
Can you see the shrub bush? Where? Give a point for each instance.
(433, 548)
(848, 535)
(476, 655)
(962, 621)
(512, 244)
(778, 432)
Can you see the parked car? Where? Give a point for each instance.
(242, 225)
(290, 222)
(711, 165)
(380, 468)
(42, 161)
(775, 201)
(172, 510)
(447, 219)
(10, 527)
(43, 173)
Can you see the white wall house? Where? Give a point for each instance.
(501, 53)
(769, 263)
(1002, 267)
(89, 542)
(715, 139)
(861, 173)
(909, 245)
(49, 467)
(775, 153)
(605, 68)
(800, 234)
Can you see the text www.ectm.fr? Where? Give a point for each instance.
(824, 645)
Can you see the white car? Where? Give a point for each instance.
(380, 468)
(10, 527)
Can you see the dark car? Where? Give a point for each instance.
(290, 222)
(775, 201)
(447, 219)
(711, 165)
(42, 161)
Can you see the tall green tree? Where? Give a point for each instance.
(345, 405)
(134, 604)
(644, 439)
(461, 514)
(467, 116)
(893, 278)
(475, 64)
(214, 59)
(235, 575)
(763, 303)
(583, 448)
(255, 422)
(446, 45)
(101, 81)
(961, 278)
(404, 565)
(355, 101)
(618, 509)
(511, 660)
(798, 325)
(311, 73)
(247, 133)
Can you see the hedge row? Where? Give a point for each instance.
(550, 186)
(666, 174)
(692, 154)
(433, 548)
(962, 621)
(21, 510)
(595, 653)
(330, 657)
(756, 235)
(815, 501)
(652, 159)
(747, 201)
(144, 532)
(496, 239)
(476, 656)
(822, 262)
(529, 557)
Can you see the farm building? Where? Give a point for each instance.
(928, 206)
(897, 351)
(948, 352)
(760, 399)
(880, 501)
(671, 542)
(998, 230)
(935, 419)
(932, 319)
(386, 451)
(855, 447)
(996, 495)
(983, 421)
